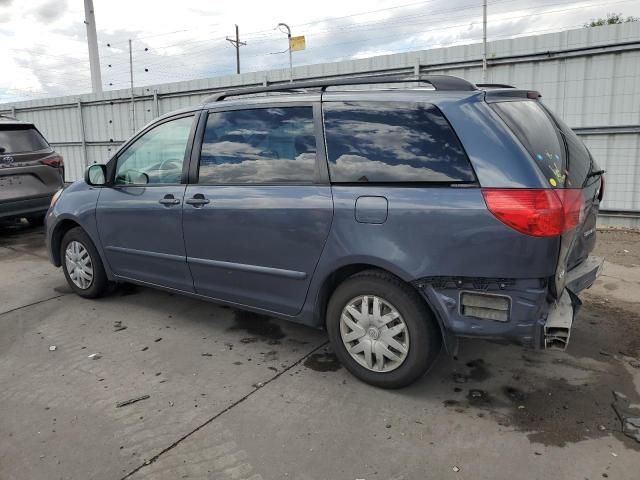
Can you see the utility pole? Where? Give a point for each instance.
(237, 44)
(92, 41)
(484, 41)
(133, 106)
(290, 57)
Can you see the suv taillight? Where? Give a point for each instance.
(536, 212)
(54, 160)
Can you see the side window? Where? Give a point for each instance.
(266, 145)
(392, 142)
(157, 156)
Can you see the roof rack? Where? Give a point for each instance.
(493, 85)
(439, 82)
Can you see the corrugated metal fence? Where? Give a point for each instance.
(589, 76)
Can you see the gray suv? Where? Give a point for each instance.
(397, 217)
(31, 172)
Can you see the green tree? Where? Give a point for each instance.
(611, 19)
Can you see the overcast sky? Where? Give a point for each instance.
(43, 50)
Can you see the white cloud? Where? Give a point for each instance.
(44, 51)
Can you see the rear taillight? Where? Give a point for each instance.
(536, 212)
(54, 160)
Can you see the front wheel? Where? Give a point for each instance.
(82, 264)
(381, 330)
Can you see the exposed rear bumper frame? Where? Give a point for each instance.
(557, 328)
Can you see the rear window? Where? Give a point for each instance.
(559, 153)
(20, 139)
(392, 142)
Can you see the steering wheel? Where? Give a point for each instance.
(171, 163)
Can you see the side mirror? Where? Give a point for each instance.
(96, 175)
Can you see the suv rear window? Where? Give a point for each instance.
(20, 139)
(392, 142)
(560, 154)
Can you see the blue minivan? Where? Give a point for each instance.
(396, 216)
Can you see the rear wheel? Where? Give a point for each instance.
(82, 265)
(381, 330)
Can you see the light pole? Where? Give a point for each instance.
(133, 105)
(290, 56)
(92, 40)
(484, 41)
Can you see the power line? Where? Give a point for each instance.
(195, 52)
(401, 21)
(160, 65)
(398, 20)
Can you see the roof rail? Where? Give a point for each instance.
(493, 85)
(439, 82)
(9, 117)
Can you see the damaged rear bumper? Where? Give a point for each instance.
(583, 275)
(557, 328)
(520, 311)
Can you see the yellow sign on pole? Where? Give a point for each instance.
(297, 43)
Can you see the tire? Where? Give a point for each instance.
(99, 283)
(36, 220)
(421, 343)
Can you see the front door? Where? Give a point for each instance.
(257, 217)
(140, 216)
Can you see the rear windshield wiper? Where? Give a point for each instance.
(595, 173)
(592, 173)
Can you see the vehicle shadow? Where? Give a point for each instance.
(9, 228)
(22, 237)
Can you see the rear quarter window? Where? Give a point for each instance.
(392, 142)
(20, 139)
(559, 153)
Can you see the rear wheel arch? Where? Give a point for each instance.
(335, 278)
(330, 283)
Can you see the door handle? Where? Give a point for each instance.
(197, 200)
(169, 200)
